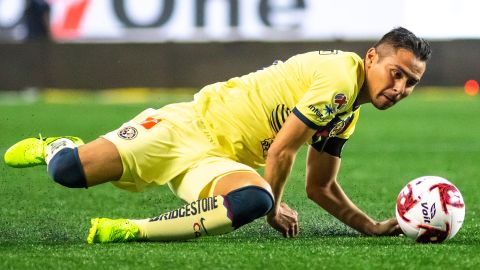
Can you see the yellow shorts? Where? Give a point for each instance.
(171, 146)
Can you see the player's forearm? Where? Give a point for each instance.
(335, 201)
(278, 167)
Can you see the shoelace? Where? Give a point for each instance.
(41, 143)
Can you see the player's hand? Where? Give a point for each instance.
(285, 220)
(388, 227)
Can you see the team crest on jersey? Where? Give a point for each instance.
(340, 101)
(128, 133)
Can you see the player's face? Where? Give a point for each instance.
(391, 75)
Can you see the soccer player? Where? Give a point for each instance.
(207, 150)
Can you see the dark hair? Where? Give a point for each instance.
(401, 38)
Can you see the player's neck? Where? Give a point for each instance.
(363, 95)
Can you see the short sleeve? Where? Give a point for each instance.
(332, 82)
(315, 109)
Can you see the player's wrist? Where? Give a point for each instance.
(272, 213)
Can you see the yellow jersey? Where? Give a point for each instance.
(245, 113)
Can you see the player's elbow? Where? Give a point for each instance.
(316, 192)
(313, 193)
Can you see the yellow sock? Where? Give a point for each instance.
(207, 216)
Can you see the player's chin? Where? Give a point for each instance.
(383, 103)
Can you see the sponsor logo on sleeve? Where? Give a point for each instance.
(317, 112)
(328, 110)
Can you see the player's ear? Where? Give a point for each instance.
(370, 57)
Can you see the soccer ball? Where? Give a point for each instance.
(430, 209)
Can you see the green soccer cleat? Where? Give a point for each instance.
(105, 230)
(31, 152)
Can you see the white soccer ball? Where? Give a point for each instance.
(430, 209)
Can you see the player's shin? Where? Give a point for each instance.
(209, 216)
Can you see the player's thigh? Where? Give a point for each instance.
(214, 175)
(157, 146)
(101, 161)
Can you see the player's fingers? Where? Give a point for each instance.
(283, 229)
(295, 225)
(288, 230)
(393, 227)
(295, 229)
(392, 222)
(396, 230)
(291, 231)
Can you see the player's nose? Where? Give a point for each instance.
(400, 88)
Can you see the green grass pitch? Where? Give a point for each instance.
(44, 226)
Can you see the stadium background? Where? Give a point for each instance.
(168, 43)
(105, 60)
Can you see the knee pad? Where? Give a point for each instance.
(247, 204)
(65, 168)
